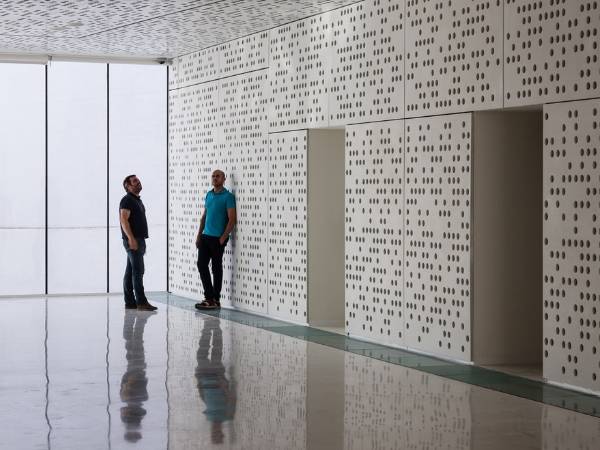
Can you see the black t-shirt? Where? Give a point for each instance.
(137, 216)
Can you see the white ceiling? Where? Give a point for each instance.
(140, 28)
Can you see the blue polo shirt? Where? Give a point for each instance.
(216, 206)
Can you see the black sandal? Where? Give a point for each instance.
(207, 304)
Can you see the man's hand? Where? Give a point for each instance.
(133, 245)
(198, 242)
(222, 240)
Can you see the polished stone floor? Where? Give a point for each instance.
(83, 373)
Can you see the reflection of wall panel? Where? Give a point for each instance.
(551, 51)
(287, 225)
(199, 354)
(571, 242)
(374, 241)
(192, 154)
(277, 384)
(567, 429)
(244, 55)
(438, 236)
(453, 56)
(389, 406)
(243, 145)
(367, 66)
(299, 74)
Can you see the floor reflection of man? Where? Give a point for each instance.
(215, 389)
(134, 384)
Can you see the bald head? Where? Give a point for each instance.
(218, 179)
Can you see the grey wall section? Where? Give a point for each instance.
(396, 74)
(325, 373)
(507, 238)
(325, 227)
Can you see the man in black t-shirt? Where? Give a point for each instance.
(134, 230)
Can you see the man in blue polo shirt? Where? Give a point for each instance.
(218, 220)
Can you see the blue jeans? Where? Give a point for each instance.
(133, 281)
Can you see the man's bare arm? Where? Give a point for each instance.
(199, 235)
(232, 219)
(124, 219)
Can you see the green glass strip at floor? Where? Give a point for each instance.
(498, 381)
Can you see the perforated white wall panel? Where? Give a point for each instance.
(194, 68)
(374, 203)
(438, 236)
(287, 225)
(551, 51)
(243, 147)
(193, 118)
(571, 241)
(453, 56)
(299, 74)
(367, 66)
(244, 55)
(407, 409)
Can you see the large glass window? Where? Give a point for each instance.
(77, 174)
(137, 145)
(22, 179)
(71, 132)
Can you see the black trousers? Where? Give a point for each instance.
(211, 251)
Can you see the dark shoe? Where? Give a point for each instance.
(208, 304)
(134, 306)
(146, 307)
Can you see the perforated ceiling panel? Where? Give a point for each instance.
(367, 65)
(144, 28)
(193, 117)
(374, 203)
(299, 74)
(551, 51)
(453, 56)
(71, 18)
(571, 243)
(243, 147)
(287, 225)
(438, 235)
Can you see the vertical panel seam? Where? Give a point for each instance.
(107, 178)
(168, 180)
(46, 180)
